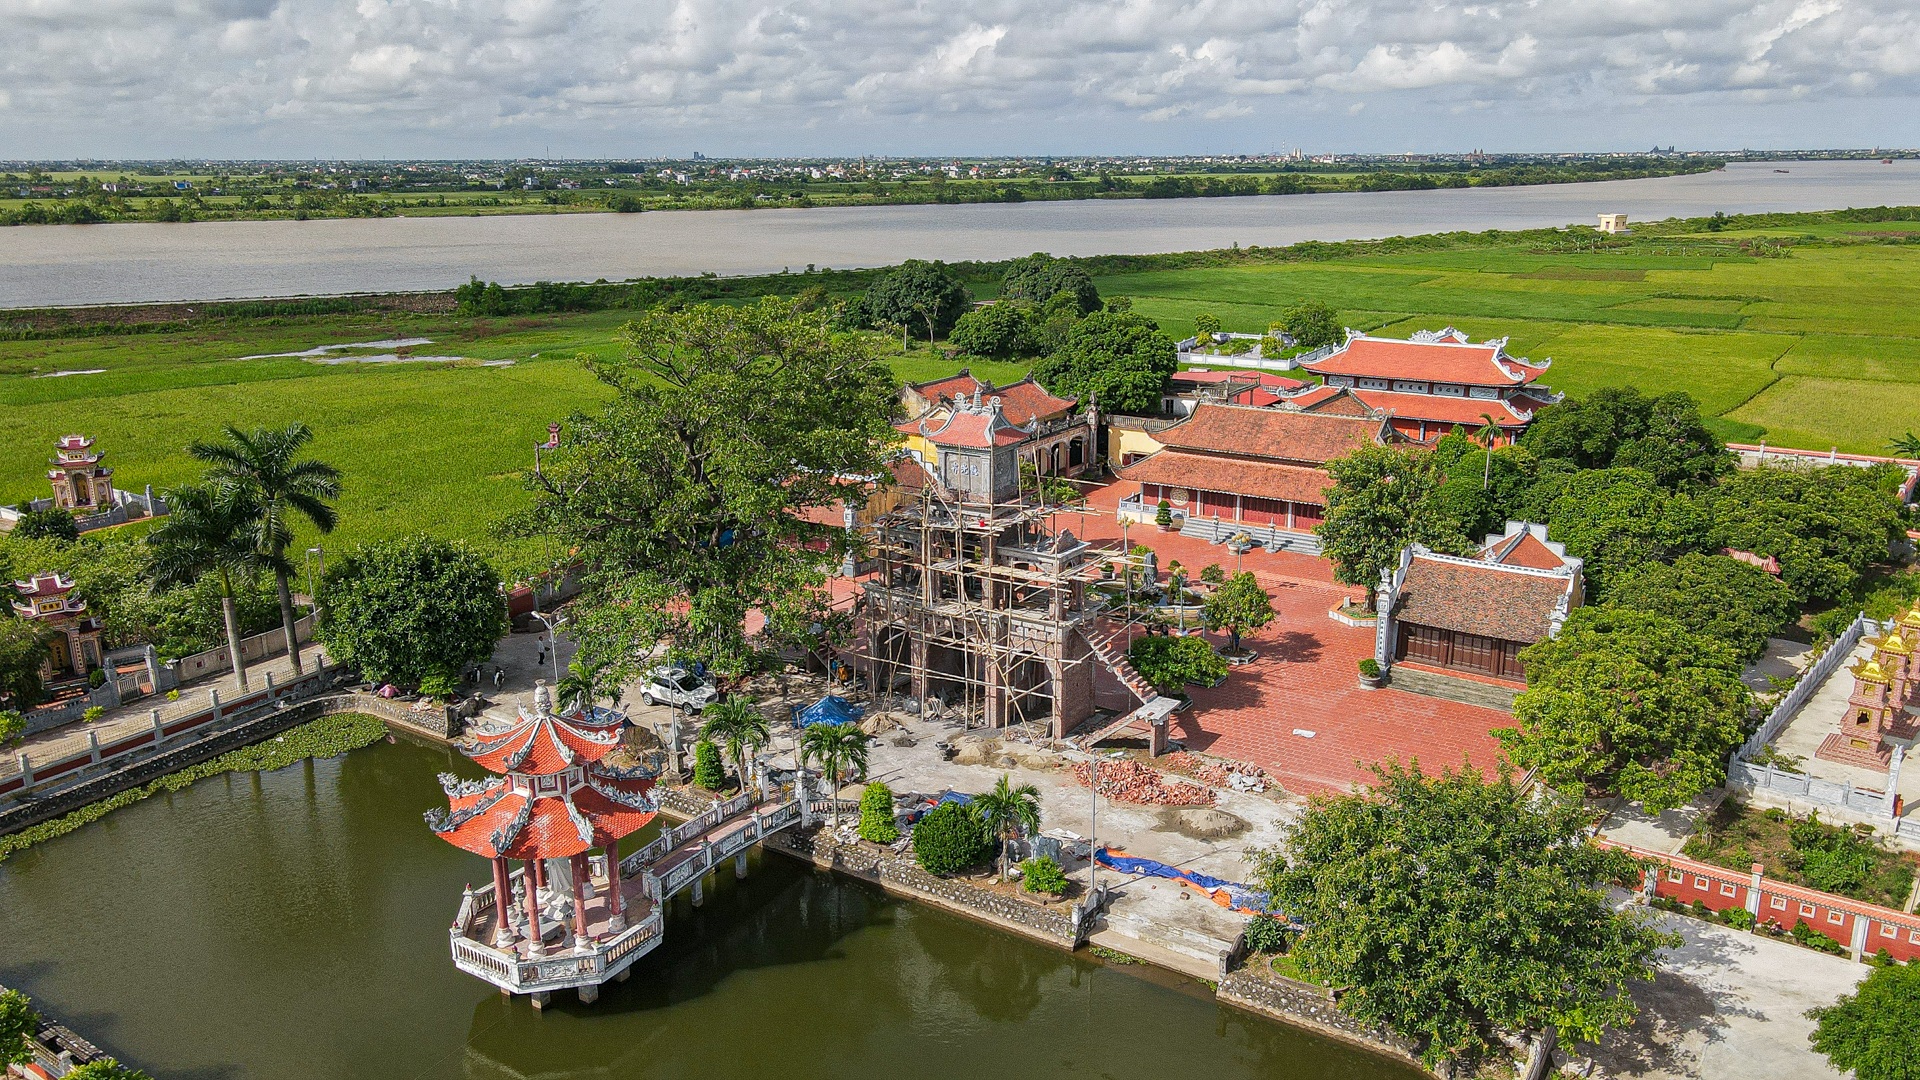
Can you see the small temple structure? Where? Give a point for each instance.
(961, 412)
(563, 918)
(75, 647)
(84, 488)
(1881, 710)
(1431, 383)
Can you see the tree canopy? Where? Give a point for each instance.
(1312, 324)
(1171, 662)
(684, 496)
(917, 294)
(1040, 277)
(23, 652)
(17, 1023)
(1870, 1031)
(1617, 520)
(1616, 426)
(1482, 491)
(1381, 501)
(1714, 595)
(403, 611)
(1631, 703)
(1825, 525)
(1121, 358)
(50, 524)
(1239, 604)
(1454, 910)
(999, 331)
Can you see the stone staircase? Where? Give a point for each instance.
(1122, 668)
(1465, 691)
(1276, 540)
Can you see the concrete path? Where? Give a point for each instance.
(137, 716)
(1728, 1004)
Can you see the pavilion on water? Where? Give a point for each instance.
(563, 919)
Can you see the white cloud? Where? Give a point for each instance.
(224, 74)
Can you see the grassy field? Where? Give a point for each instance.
(1817, 349)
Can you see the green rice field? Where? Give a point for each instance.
(1819, 348)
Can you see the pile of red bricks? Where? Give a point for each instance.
(1199, 768)
(1130, 781)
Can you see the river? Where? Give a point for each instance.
(61, 265)
(293, 925)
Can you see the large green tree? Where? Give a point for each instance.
(18, 1022)
(264, 469)
(1714, 595)
(1483, 490)
(1617, 520)
(1663, 436)
(1825, 525)
(23, 652)
(1121, 358)
(1382, 500)
(208, 533)
(999, 331)
(1453, 911)
(1312, 324)
(1040, 277)
(922, 295)
(1172, 662)
(1630, 703)
(1238, 605)
(1870, 1031)
(685, 497)
(407, 610)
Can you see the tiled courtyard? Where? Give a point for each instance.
(1305, 679)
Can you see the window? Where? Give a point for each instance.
(1913, 937)
(1779, 903)
(1726, 888)
(1886, 929)
(1836, 917)
(1676, 875)
(1806, 910)
(1700, 883)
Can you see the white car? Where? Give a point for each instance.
(677, 687)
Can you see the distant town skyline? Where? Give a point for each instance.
(393, 79)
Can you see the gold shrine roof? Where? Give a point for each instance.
(1894, 643)
(1870, 671)
(1911, 620)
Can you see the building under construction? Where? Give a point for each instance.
(976, 603)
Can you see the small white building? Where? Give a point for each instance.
(1614, 223)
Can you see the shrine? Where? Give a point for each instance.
(84, 488)
(1432, 383)
(1880, 711)
(74, 647)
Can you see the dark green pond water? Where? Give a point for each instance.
(294, 925)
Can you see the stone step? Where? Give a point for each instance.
(1465, 691)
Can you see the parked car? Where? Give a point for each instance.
(677, 687)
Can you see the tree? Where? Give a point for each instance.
(402, 610)
(107, 1069)
(917, 293)
(1007, 810)
(18, 1022)
(950, 838)
(207, 533)
(1312, 325)
(1869, 1032)
(1617, 520)
(264, 469)
(1484, 487)
(876, 814)
(1206, 323)
(582, 684)
(1488, 434)
(1040, 277)
(1630, 703)
(735, 724)
(999, 331)
(685, 499)
(53, 523)
(1616, 426)
(1119, 358)
(1713, 595)
(1825, 525)
(1907, 445)
(1381, 501)
(1237, 606)
(708, 770)
(1453, 910)
(23, 656)
(1171, 662)
(839, 749)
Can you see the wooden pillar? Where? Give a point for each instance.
(579, 875)
(502, 900)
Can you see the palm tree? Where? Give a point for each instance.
(839, 748)
(266, 467)
(580, 685)
(737, 725)
(1005, 811)
(1488, 434)
(207, 533)
(1907, 445)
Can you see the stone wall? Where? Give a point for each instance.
(1309, 1006)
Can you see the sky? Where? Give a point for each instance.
(650, 78)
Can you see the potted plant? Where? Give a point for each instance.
(1371, 677)
(1163, 515)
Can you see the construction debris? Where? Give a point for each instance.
(1132, 782)
(1237, 775)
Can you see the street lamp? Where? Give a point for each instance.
(553, 641)
(315, 555)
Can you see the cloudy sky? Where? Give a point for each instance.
(394, 78)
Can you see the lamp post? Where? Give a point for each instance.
(315, 555)
(553, 643)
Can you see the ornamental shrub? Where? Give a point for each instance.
(92, 713)
(440, 685)
(96, 678)
(1267, 934)
(1163, 514)
(876, 814)
(950, 839)
(1042, 874)
(12, 726)
(1171, 662)
(708, 771)
(1370, 668)
(1739, 918)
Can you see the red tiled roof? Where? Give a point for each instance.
(1329, 401)
(1484, 364)
(1027, 401)
(495, 821)
(544, 745)
(1442, 409)
(949, 387)
(1272, 433)
(1480, 598)
(1523, 550)
(1243, 476)
(1261, 378)
(969, 429)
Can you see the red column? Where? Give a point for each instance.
(502, 896)
(615, 900)
(535, 946)
(579, 898)
(539, 869)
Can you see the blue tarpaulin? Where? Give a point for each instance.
(1228, 894)
(832, 709)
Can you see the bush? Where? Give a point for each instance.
(173, 695)
(54, 524)
(440, 685)
(1267, 934)
(400, 611)
(876, 814)
(1212, 574)
(12, 726)
(1813, 939)
(1171, 662)
(92, 713)
(1163, 514)
(950, 839)
(1043, 875)
(1739, 918)
(96, 678)
(708, 771)
(1370, 668)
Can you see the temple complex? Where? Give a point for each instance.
(84, 488)
(1049, 433)
(75, 646)
(1432, 383)
(1881, 712)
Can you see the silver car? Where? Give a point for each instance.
(677, 687)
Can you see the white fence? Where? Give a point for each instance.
(252, 649)
(1810, 681)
